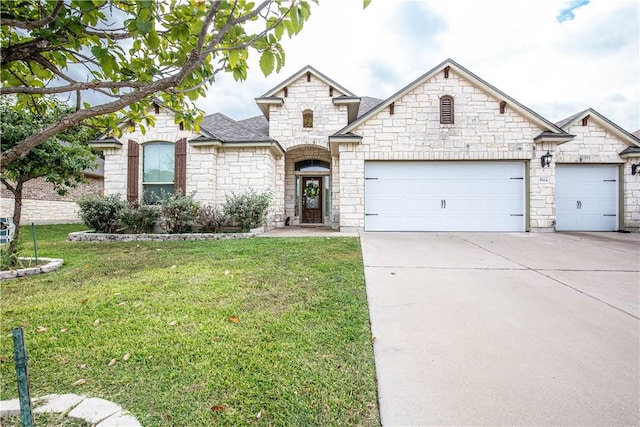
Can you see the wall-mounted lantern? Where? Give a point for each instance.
(635, 169)
(545, 160)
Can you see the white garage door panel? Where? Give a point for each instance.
(586, 197)
(444, 196)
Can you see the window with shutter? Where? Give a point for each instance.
(446, 109)
(158, 171)
(133, 169)
(181, 167)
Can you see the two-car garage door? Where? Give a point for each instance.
(444, 196)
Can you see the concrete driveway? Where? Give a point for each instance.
(505, 329)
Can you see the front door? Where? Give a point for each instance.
(312, 200)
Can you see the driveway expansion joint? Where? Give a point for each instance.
(540, 272)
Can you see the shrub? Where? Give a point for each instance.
(178, 213)
(247, 210)
(138, 219)
(101, 213)
(210, 219)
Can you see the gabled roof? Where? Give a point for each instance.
(623, 135)
(270, 98)
(540, 121)
(224, 129)
(308, 69)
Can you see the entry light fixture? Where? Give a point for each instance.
(545, 160)
(635, 169)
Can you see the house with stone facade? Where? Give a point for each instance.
(448, 152)
(41, 203)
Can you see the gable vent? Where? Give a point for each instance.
(446, 109)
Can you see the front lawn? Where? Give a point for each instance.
(240, 332)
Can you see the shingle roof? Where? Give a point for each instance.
(258, 124)
(627, 137)
(367, 103)
(630, 150)
(570, 119)
(225, 129)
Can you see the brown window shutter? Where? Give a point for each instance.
(133, 170)
(180, 173)
(446, 110)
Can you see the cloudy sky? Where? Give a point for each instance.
(557, 57)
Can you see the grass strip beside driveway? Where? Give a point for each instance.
(267, 331)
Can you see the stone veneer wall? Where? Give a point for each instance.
(241, 169)
(285, 126)
(212, 172)
(632, 196)
(594, 144)
(166, 130)
(298, 154)
(41, 204)
(414, 132)
(285, 122)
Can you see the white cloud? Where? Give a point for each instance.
(555, 68)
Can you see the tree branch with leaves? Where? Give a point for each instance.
(60, 162)
(113, 58)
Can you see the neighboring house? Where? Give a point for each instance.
(41, 204)
(448, 152)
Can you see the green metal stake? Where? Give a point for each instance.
(21, 359)
(35, 243)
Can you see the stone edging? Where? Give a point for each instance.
(52, 265)
(89, 236)
(97, 412)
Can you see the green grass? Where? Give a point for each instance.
(57, 420)
(299, 355)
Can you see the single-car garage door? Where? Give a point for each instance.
(444, 196)
(586, 197)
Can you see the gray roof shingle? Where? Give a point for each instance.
(258, 124)
(225, 129)
(367, 103)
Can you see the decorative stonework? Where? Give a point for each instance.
(52, 264)
(88, 236)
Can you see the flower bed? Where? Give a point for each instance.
(90, 236)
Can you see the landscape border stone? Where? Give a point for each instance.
(95, 411)
(52, 264)
(90, 236)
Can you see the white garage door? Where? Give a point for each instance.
(444, 196)
(586, 197)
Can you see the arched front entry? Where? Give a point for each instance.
(308, 186)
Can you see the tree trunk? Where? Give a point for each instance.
(17, 212)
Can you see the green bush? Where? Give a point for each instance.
(138, 219)
(210, 219)
(101, 213)
(178, 213)
(247, 210)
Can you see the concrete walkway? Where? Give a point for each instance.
(306, 231)
(505, 329)
(98, 412)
